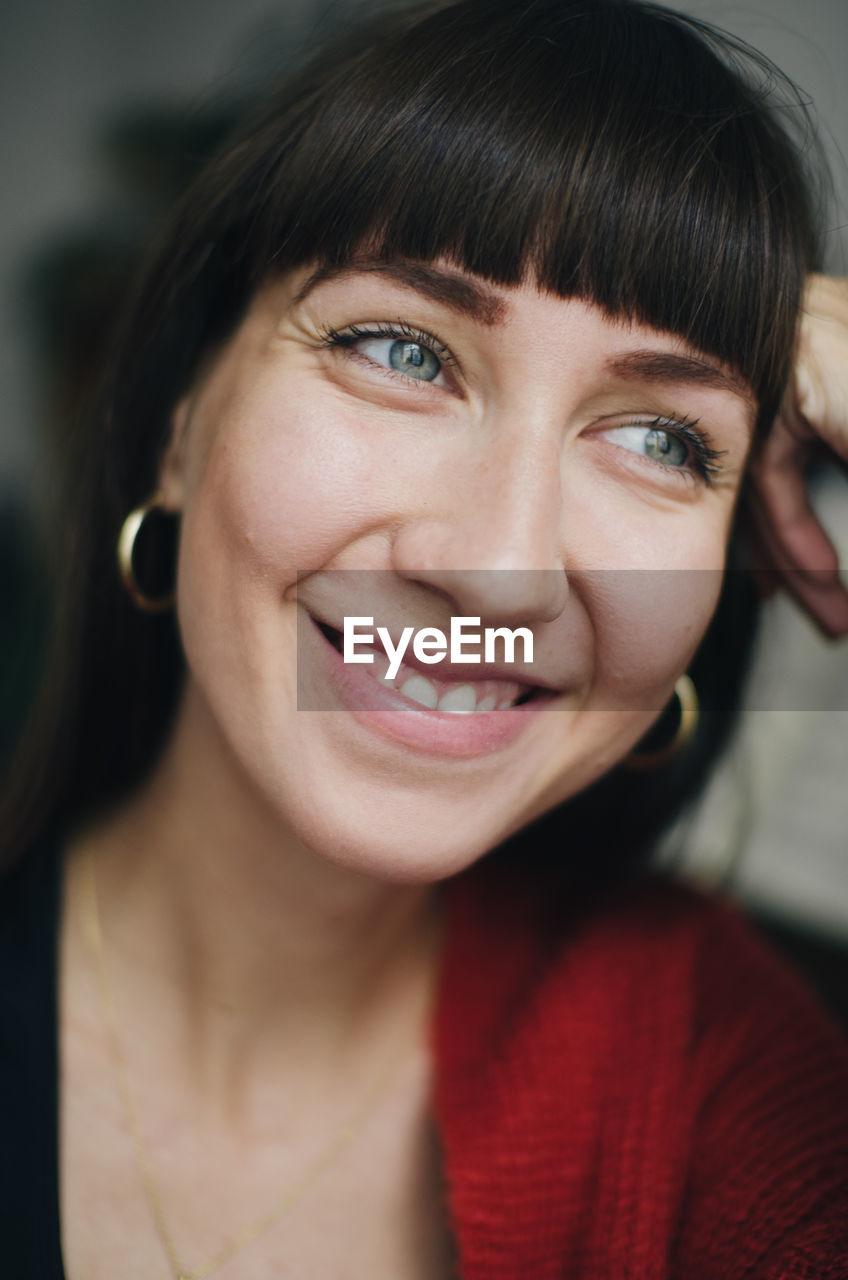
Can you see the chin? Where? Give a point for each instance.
(396, 840)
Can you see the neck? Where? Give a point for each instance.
(242, 944)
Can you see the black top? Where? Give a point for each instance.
(30, 1246)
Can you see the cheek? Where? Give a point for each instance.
(648, 625)
(637, 630)
(264, 505)
(281, 493)
(649, 577)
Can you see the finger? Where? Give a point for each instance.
(826, 604)
(821, 594)
(802, 543)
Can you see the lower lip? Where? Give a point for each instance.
(383, 709)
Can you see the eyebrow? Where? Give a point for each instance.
(457, 292)
(473, 299)
(670, 366)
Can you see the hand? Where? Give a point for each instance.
(813, 420)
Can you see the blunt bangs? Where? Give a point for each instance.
(607, 149)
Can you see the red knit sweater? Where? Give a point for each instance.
(642, 1091)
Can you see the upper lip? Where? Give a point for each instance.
(467, 673)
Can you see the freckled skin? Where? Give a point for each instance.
(290, 459)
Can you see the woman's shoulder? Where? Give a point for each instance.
(29, 906)
(650, 1062)
(29, 909)
(29, 899)
(671, 979)
(662, 936)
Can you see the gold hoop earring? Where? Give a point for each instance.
(126, 546)
(687, 698)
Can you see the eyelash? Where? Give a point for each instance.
(354, 333)
(705, 459)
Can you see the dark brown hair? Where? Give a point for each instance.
(616, 151)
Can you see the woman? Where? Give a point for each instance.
(488, 314)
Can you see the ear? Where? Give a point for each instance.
(172, 467)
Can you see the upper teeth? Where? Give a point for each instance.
(441, 695)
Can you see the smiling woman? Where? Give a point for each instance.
(488, 314)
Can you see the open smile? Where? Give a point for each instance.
(452, 697)
(450, 717)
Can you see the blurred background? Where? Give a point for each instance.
(108, 107)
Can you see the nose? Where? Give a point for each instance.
(489, 535)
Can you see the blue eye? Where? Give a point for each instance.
(397, 347)
(413, 359)
(666, 448)
(677, 444)
(662, 446)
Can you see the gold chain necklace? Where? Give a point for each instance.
(328, 1154)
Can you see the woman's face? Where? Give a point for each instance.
(411, 443)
